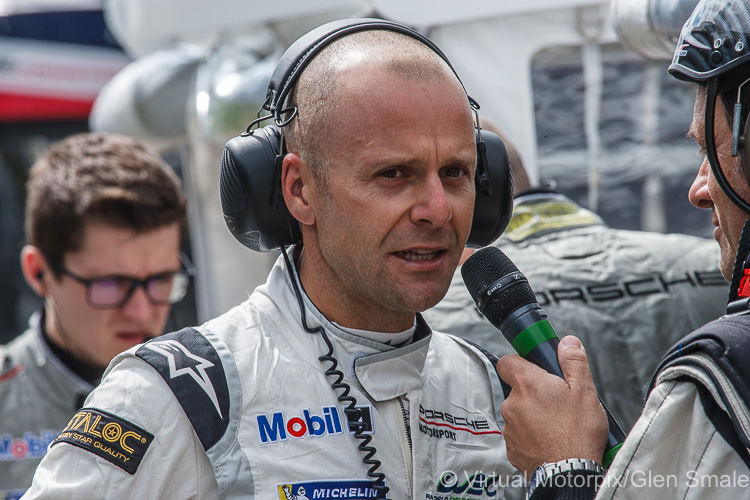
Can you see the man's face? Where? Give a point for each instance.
(97, 335)
(705, 192)
(390, 228)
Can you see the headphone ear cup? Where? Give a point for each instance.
(493, 205)
(256, 215)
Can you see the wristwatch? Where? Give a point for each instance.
(544, 472)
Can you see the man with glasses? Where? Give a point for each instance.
(105, 218)
(326, 379)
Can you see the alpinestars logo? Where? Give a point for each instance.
(183, 362)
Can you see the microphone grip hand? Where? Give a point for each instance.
(545, 417)
(550, 418)
(545, 356)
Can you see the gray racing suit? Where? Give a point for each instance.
(628, 295)
(38, 395)
(241, 407)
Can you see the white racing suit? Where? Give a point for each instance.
(38, 395)
(692, 440)
(674, 451)
(628, 295)
(242, 408)
(693, 437)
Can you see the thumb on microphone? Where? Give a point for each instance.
(547, 418)
(571, 341)
(574, 362)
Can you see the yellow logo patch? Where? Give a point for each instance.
(108, 436)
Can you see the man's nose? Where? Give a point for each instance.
(138, 305)
(698, 194)
(432, 206)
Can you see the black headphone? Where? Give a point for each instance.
(250, 179)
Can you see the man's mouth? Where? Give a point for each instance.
(419, 254)
(134, 337)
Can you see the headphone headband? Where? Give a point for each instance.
(250, 178)
(301, 52)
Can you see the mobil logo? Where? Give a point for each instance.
(277, 427)
(30, 446)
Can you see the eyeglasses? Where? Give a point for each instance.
(112, 292)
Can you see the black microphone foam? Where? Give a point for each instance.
(503, 295)
(484, 269)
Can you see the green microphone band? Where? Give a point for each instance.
(536, 334)
(610, 455)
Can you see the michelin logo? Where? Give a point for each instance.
(328, 489)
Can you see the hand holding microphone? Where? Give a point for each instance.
(504, 296)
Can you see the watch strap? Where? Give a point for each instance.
(543, 473)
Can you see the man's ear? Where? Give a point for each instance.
(34, 268)
(297, 185)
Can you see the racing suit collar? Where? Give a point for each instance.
(65, 387)
(90, 374)
(383, 371)
(390, 374)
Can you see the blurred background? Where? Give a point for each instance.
(580, 86)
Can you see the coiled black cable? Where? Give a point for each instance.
(354, 415)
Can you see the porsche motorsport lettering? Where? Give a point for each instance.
(436, 433)
(108, 436)
(30, 446)
(277, 428)
(457, 423)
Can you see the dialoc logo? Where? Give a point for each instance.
(108, 436)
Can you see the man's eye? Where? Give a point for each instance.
(455, 172)
(392, 173)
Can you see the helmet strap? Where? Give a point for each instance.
(712, 94)
(738, 134)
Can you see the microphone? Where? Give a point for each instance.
(503, 296)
